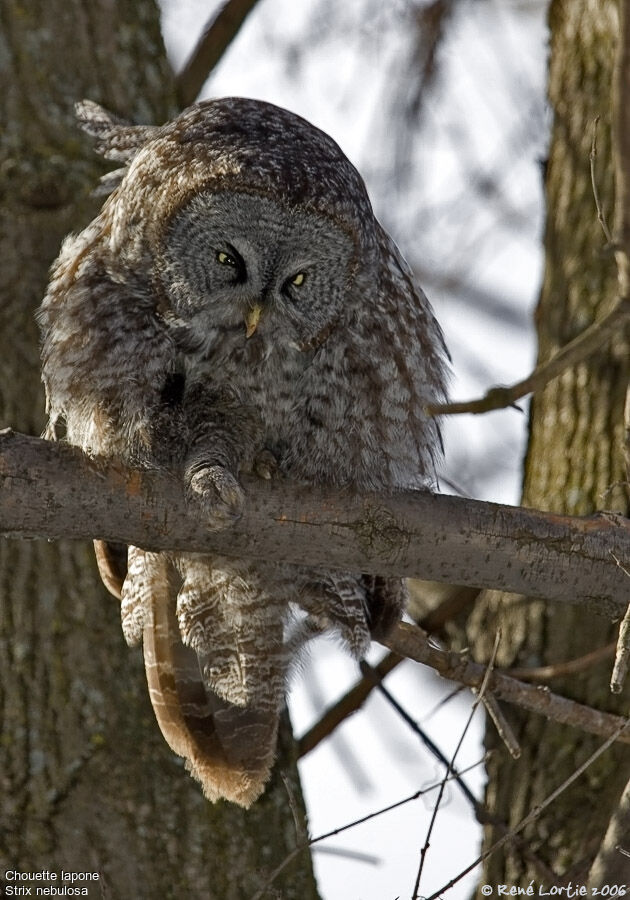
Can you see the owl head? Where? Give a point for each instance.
(250, 219)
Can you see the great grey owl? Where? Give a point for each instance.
(234, 307)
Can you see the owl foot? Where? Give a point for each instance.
(265, 465)
(217, 494)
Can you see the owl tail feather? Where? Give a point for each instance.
(230, 750)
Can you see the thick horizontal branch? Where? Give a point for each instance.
(54, 491)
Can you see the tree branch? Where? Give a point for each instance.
(579, 349)
(54, 491)
(596, 335)
(216, 38)
(621, 151)
(621, 158)
(409, 641)
(610, 866)
(433, 621)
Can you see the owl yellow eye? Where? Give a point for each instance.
(225, 259)
(294, 282)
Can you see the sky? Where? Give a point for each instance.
(462, 196)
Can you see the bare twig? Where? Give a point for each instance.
(503, 727)
(354, 699)
(217, 37)
(55, 491)
(559, 670)
(576, 351)
(482, 814)
(451, 766)
(408, 640)
(301, 829)
(622, 653)
(600, 213)
(609, 866)
(322, 837)
(424, 737)
(350, 703)
(596, 335)
(621, 153)
(536, 811)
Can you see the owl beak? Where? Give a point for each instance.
(251, 320)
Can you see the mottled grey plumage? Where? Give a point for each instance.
(236, 301)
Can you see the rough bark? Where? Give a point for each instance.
(86, 782)
(55, 491)
(575, 464)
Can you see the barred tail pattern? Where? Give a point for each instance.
(229, 748)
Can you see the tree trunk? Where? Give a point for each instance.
(87, 784)
(575, 464)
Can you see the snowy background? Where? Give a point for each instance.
(453, 166)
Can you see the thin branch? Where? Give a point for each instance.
(503, 727)
(322, 837)
(600, 213)
(596, 335)
(354, 699)
(350, 703)
(482, 814)
(216, 38)
(432, 747)
(609, 866)
(561, 669)
(622, 652)
(354, 855)
(409, 640)
(451, 765)
(576, 351)
(536, 811)
(55, 491)
(621, 152)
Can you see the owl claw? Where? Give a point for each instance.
(217, 493)
(265, 465)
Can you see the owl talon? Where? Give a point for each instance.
(218, 494)
(265, 465)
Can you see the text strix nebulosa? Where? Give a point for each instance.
(237, 307)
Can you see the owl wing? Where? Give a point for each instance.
(229, 748)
